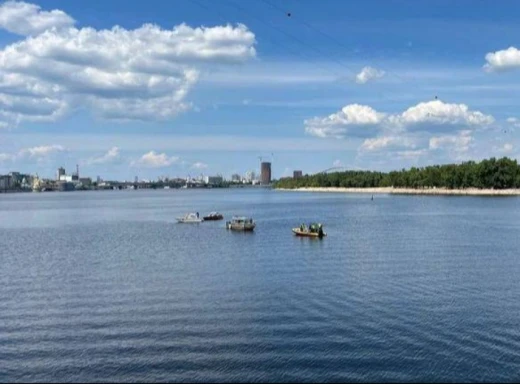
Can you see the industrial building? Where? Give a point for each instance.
(213, 180)
(265, 173)
(59, 173)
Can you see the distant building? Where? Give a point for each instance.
(65, 186)
(297, 174)
(75, 176)
(66, 178)
(98, 180)
(27, 181)
(249, 177)
(214, 180)
(6, 182)
(59, 173)
(265, 173)
(86, 181)
(236, 178)
(17, 177)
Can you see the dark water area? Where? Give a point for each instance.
(106, 286)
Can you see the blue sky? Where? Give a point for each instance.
(359, 84)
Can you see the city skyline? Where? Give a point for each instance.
(207, 87)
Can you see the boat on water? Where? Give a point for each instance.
(240, 223)
(313, 230)
(190, 218)
(213, 216)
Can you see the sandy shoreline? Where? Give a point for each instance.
(412, 191)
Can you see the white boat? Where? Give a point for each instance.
(241, 224)
(190, 218)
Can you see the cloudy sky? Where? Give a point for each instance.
(180, 88)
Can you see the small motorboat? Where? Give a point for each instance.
(241, 224)
(313, 230)
(213, 216)
(190, 218)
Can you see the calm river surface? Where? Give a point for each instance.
(106, 286)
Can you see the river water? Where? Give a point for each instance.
(106, 286)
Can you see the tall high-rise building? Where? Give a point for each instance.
(297, 174)
(60, 172)
(265, 173)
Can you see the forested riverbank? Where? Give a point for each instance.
(491, 174)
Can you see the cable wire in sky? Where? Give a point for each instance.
(291, 15)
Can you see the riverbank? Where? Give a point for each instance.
(413, 191)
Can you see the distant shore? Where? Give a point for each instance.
(413, 191)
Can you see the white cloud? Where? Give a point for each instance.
(140, 74)
(5, 157)
(141, 142)
(367, 74)
(109, 157)
(337, 163)
(353, 119)
(41, 151)
(378, 143)
(505, 149)
(37, 153)
(199, 165)
(363, 121)
(439, 113)
(412, 154)
(457, 143)
(28, 19)
(515, 122)
(502, 60)
(155, 160)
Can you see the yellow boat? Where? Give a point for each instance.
(314, 230)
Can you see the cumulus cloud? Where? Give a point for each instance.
(41, 151)
(109, 157)
(507, 148)
(155, 160)
(33, 153)
(368, 74)
(354, 119)
(438, 113)
(199, 165)
(513, 121)
(457, 143)
(378, 143)
(363, 121)
(140, 74)
(28, 19)
(6, 157)
(412, 154)
(503, 60)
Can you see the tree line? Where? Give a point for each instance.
(491, 173)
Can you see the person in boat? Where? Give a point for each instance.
(197, 215)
